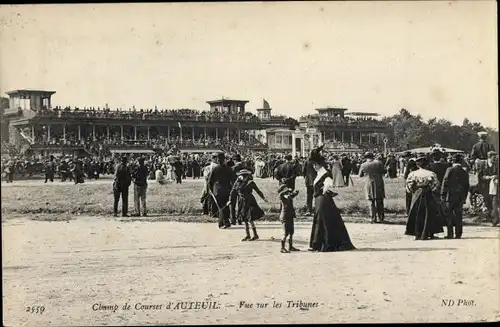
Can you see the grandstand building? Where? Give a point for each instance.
(347, 132)
(34, 122)
(34, 125)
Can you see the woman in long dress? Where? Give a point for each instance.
(328, 233)
(338, 179)
(424, 218)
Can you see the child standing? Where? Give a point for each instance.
(248, 208)
(287, 216)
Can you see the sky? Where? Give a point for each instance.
(434, 58)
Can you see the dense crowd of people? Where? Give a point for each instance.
(148, 114)
(352, 121)
(436, 185)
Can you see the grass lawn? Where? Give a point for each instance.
(176, 202)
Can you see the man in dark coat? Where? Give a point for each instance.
(309, 174)
(196, 168)
(50, 169)
(374, 171)
(286, 173)
(236, 167)
(178, 166)
(219, 188)
(346, 169)
(123, 179)
(454, 191)
(439, 165)
(480, 149)
(140, 177)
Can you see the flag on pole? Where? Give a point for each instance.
(179, 123)
(266, 105)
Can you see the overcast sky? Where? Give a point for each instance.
(434, 58)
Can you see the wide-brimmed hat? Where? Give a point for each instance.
(482, 133)
(244, 172)
(492, 153)
(237, 157)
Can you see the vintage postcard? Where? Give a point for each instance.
(249, 163)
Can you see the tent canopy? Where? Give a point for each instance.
(429, 150)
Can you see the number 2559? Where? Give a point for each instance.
(35, 309)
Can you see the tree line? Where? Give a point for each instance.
(410, 131)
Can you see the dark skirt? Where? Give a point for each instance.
(329, 233)
(426, 215)
(248, 208)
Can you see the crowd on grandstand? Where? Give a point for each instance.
(145, 114)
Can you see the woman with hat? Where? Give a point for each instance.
(424, 218)
(328, 232)
(248, 208)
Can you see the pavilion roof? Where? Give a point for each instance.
(14, 92)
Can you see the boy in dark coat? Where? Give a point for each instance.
(287, 216)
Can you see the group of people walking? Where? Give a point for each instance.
(230, 187)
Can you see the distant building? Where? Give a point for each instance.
(337, 125)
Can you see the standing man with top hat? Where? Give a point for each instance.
(123, 179)
(454, 191)
(140, 177)
(219, 188)
(374, 171)
(480, 149)
(309, 174)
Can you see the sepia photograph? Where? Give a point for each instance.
(249, 163)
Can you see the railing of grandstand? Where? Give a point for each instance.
(175, 115)
(339, 121)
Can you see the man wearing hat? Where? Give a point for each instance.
(219, 187)
(439, 165)
(236, 167)
(50, 169)
(286, 173)
(480, 149)
(454, 191)
(373, 171)
(121, 185)
(309, 174)
(488, 176)
(140, 178)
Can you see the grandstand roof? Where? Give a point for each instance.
(227, 101)
(14, 92)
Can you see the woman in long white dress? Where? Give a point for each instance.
(338, 179)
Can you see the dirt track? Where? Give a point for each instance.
(67, 267)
